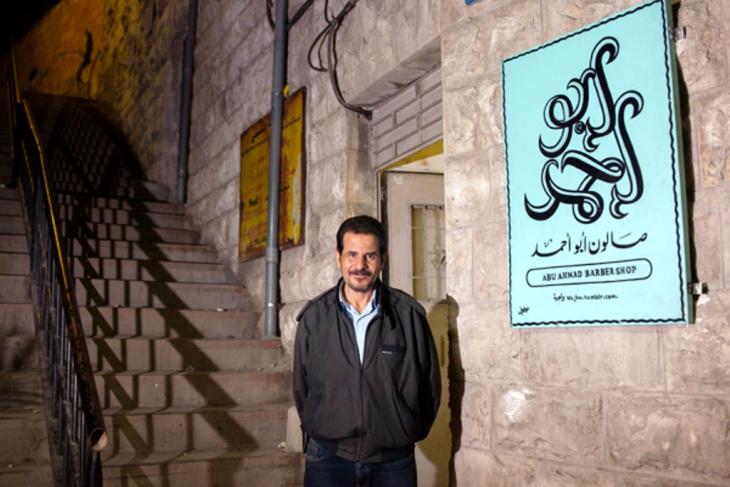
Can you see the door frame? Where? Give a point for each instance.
(433, 149)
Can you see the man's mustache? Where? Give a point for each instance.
(361, 272)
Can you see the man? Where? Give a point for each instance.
(366, 373)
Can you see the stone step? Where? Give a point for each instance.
(90, 156)
(142, 190)
(143, 354)
(60, 177)
(146, 190)
(25, 473)
(22, 420)
(180, 430)
(94, 167)
(155, 322)
(148, 270)
(16, 319)
(65, 182)
(120, 204)
(230, 467)
(20, 389)
(14, 263)
(74, 187)
(9, 194)
(119, 249)
(10, 207)
(24, 435)
(124, 217)
(13, 243)
(14, 289)
(12, 225)
(194, 389)
(175, 295)
(129, 233)
(6, 170)
(87, 172)
(18, 352)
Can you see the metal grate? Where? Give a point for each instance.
(429, 252)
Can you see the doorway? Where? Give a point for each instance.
(412, 208)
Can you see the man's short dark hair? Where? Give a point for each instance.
(363, 224)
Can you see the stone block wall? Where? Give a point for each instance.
(610, 406)
(232, 90)
(127, 54)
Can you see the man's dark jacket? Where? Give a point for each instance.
(375, 411)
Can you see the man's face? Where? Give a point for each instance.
(360, 261)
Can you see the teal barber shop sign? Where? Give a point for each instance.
(597, 212)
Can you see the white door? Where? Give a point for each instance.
(414, 211)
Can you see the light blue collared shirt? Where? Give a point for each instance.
(361, 321)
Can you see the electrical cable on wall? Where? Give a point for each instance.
(327, 39)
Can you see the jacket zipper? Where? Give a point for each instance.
(361, 418)
(361, 436)
(348, 320)
(359, 429)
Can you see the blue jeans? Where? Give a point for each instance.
(324, 469)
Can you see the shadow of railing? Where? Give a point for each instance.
(176, 324)
(82, 146)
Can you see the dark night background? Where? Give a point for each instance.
(19, 16)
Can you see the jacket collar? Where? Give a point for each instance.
(381, 292)
(383, 297)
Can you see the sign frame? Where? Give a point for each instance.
(568, 176)
(254, 178)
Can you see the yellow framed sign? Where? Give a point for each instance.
(255, 181)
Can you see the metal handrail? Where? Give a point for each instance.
(76, 424)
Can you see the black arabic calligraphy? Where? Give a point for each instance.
(584, 244)
(565, 116)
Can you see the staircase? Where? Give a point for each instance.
(24, 454)
(192, 395)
